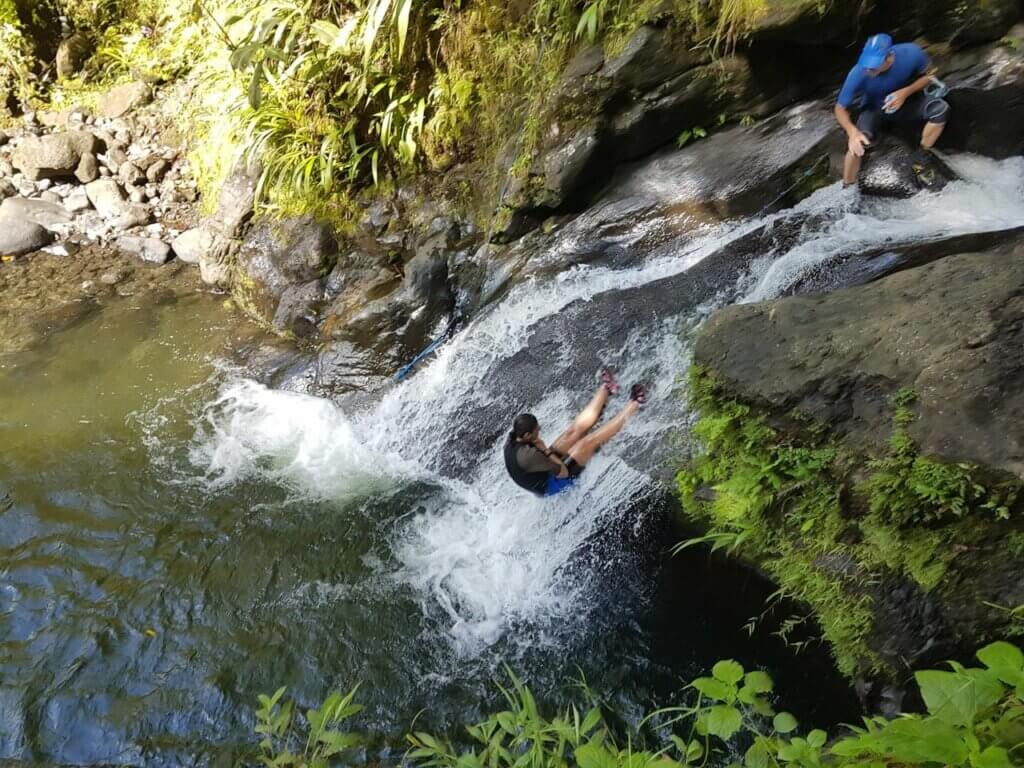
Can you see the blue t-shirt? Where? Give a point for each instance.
(911, 62)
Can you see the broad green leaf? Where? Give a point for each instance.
(723, 721)
(757, 756)
(993, 757)
(728, 671)
(957, 697)
(694, 751)
(907, 740)
(784, 723)
(759, 682)
(1006, 660)
(714, 689)
(590, 721)
(817, 738)
(593, 755)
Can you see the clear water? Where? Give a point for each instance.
(181, 538)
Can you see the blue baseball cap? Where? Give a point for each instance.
(875, 51)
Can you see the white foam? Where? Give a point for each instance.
(480, 552)
(989, 197)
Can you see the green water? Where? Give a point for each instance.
(142, 608)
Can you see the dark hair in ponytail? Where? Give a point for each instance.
(523, 425)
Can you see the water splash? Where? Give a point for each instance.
(480, 553)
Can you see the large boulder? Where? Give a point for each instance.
(960, 22)
(73, 52)
(121, 100)
(51, 216)
(55, 155)
(610, 110)
(951, 331)
(21, 236)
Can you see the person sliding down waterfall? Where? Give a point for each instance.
(548, 471)
(889, 85)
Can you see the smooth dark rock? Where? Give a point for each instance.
(888, 170)
(950, 330)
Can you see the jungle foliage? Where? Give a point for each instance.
(335, 95)
(974, 717)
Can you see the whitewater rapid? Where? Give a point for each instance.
(480, 553)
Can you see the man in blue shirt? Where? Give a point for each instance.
(888, 85)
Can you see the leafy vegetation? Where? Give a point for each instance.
(791, 503)
(974, 717)
(332, 96)
(313, 742)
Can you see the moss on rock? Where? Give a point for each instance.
(844, 532)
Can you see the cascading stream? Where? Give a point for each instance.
(181, 538)
(486, 555)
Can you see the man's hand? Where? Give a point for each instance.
(858, 142)
(540, 446)
(894, 101)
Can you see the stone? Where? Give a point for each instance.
(798, 21)
(4, 138)
(298, 309)
(77, 201)
(651, 56)
(20, 236)
(114, 277)
(7, 189)
(278, 256)
(888, 171)
(146, 248)
(950, 330)
(72, 53)
(49, 215)
(156, 172)
(120, 100)
(115, 158)
(55, 155)
(131, 175)
(136, 215)
(190, 245)
(137, 195)
(236, 202)
(6, 168)
(106, 197)
(51, 197)
(215, 273)
(88, 169)
(67, 248)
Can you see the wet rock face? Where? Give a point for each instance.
(891, 170)
(281, 271)
(960, 22)
(951, 331)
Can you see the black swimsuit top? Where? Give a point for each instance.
(534, 482)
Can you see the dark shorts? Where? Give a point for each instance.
(918, 108)
(558, 484)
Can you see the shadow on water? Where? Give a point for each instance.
(142, 611)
